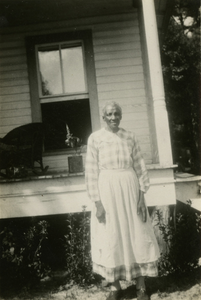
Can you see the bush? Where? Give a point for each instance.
(78, 249)
(183, 241)
(21, 250)
(32, 248)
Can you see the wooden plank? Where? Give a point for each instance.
(10, 36)
(117, 47)
(13, 113)
(16, 105)
(121, 94)
(42, 204)
(118, 55)
(60, 164)
(117, 40)
(115, 31)
(20, 59)
(131, 21)
(9, 43)
(134, 108)
(120, 86)
(52, 158)
(119, 78)
(136, 124)
(141, 127)
(127, 101)
(7, 52)
(120, 70)
(138, 130)
(13, 74)
(16, 121)
(118, 62)
(14, 90)
(137, 116)
(16, 67)
(13, 82)
(14, 97)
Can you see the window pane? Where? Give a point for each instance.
(75, 113)
(73, 70)
(50, 71)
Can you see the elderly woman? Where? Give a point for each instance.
(123, 243)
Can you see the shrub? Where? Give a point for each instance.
(78, 249)
(183, 241)
(32, 248)
(21, 251)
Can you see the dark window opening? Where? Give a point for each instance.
(57, 115)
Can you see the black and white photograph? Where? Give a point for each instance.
(100, 150)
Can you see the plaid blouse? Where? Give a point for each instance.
(108, 150)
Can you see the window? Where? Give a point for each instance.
(61, 69)
(62, 86)
(63, 93)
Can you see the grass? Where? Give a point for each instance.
(168, 288)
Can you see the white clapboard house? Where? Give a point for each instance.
(60, 61)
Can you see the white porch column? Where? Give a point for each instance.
(157, 86)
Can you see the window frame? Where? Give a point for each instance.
(72, 37)
(68, 96)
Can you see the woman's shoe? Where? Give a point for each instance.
(142, 295)
(115, 295)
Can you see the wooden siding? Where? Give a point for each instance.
(59, 163)
(119, 73)
(120, 78)
(14, 84)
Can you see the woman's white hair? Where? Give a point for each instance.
(111, 103)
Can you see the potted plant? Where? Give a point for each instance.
(75, 162)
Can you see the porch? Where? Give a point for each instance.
(60, 193)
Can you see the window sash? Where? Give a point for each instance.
(64, 98)
(61, 47)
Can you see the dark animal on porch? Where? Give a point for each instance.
(20, 148)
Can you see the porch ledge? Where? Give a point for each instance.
(65, 174)
(32, 177)
(158, 167)
(186, 177)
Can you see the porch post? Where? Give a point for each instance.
(157, 86)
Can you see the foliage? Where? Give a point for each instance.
(32, 249)
(77, 248)
(181, 69)
(21, 251)
(183, 240)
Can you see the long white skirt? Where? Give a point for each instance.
(123, 247)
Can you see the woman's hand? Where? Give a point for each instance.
(141, 207)
(100, 212)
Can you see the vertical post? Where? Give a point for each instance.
(157, 86)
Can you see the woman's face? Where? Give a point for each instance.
(112, 118)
